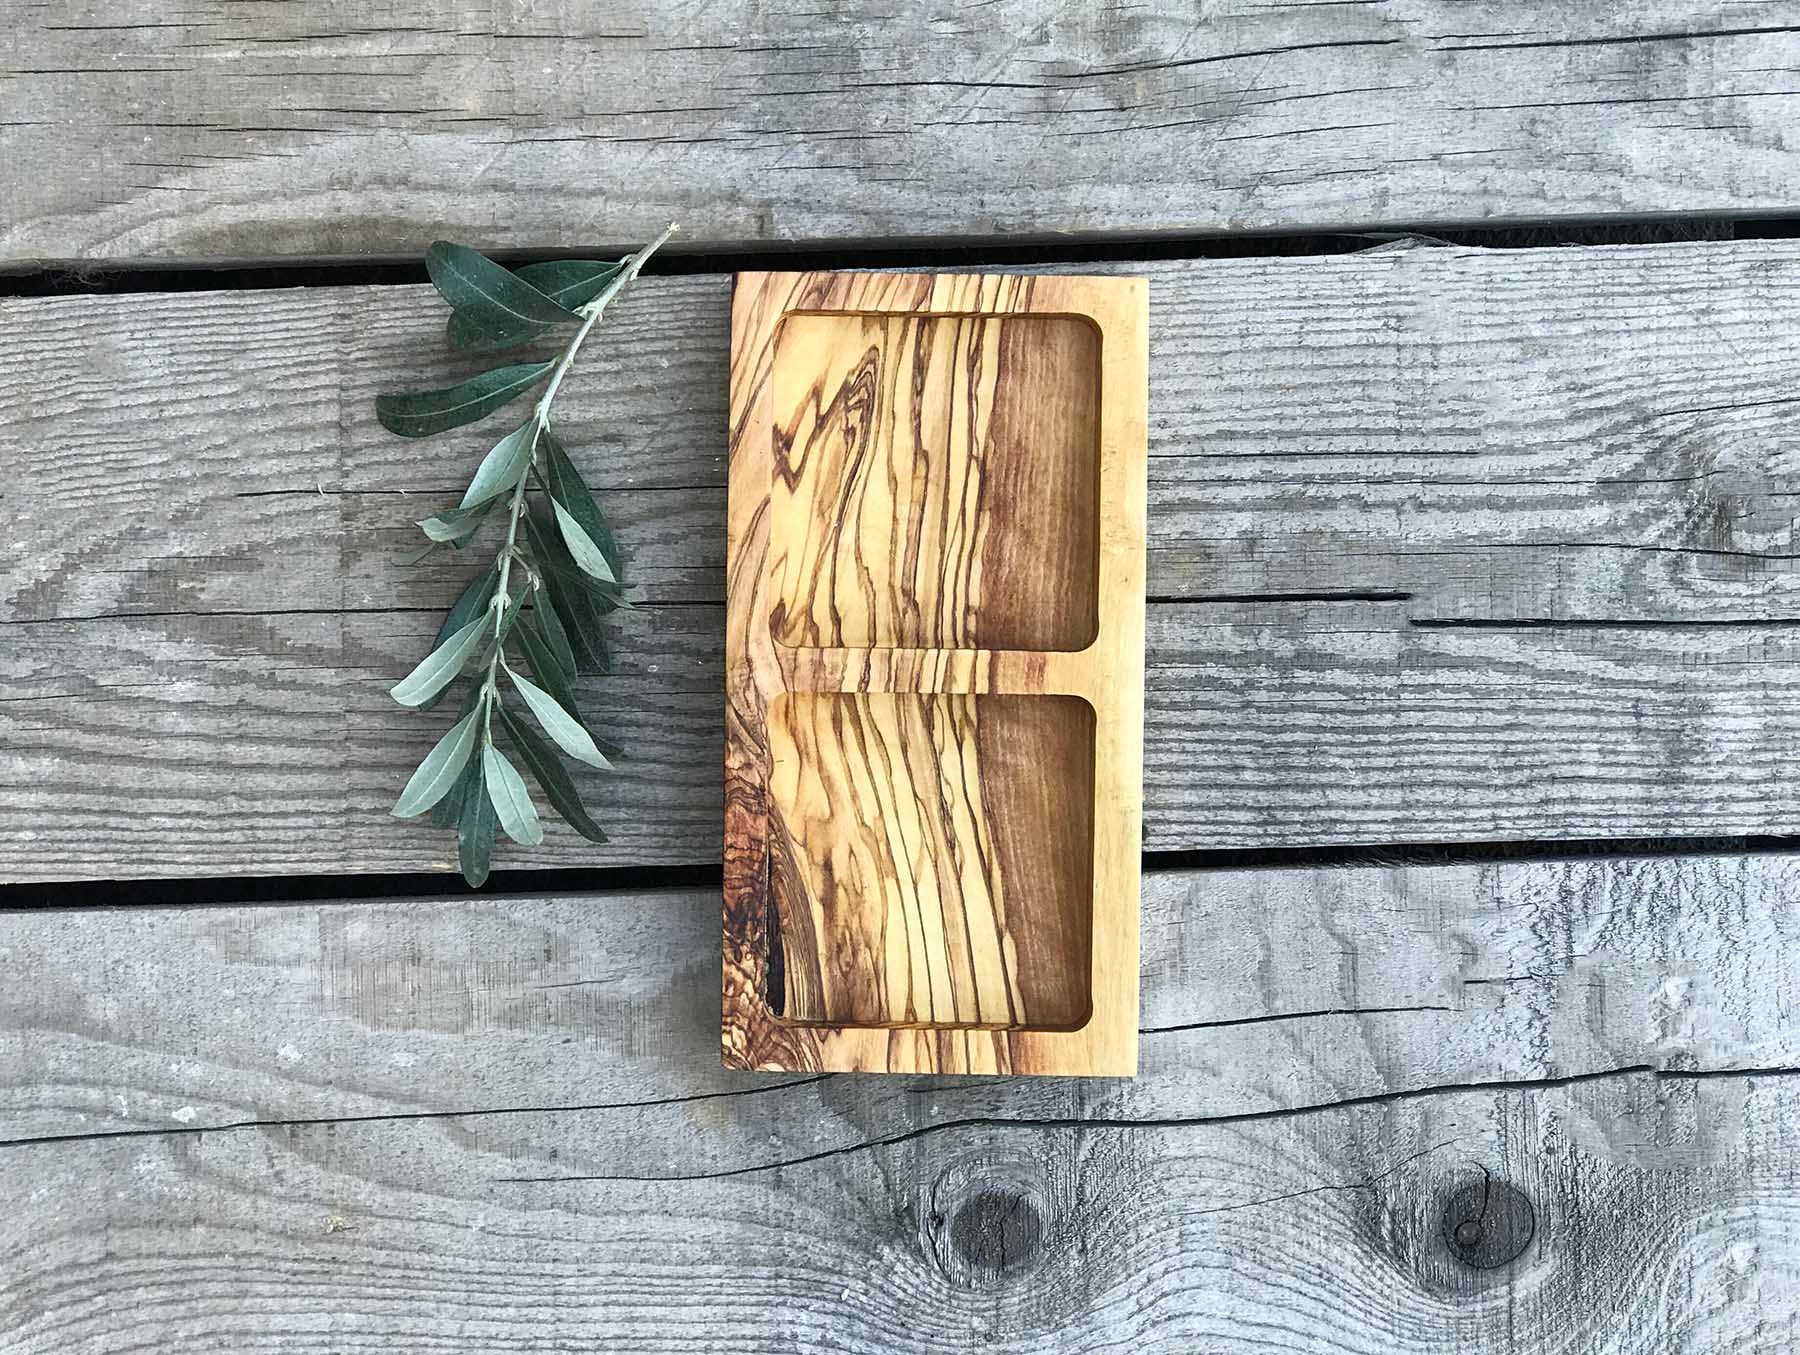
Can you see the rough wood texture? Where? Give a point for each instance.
(225, 130)
(890, 841)
(496, 1124)
(1443, 545)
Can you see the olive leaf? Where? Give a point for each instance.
(474, 599)
(582, 547)
(550, 628)
(551, 775)
(554, 580)
(571, 282)
(559, 724)
(559, 565)
(476, 286)
(569, 492)
(442, 766)
(567, 282)
(419, 414)
(448, 811)
(475, 828)
(584, 629)
(458, 524)
(557, 677)
(512, 801)
(438, 668)
(579, 613)
(505, 462)
(473, 335)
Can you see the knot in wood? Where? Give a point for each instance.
(1487, 1223)
(989, 1222)
(997, 1232)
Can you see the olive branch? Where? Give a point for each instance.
(555, 579)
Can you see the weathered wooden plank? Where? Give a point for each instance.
(233, 132)
(500, 1123)
(1599, 433)
(1324, 1233)
(1263, 990)
(1445, 544)
(175, 746)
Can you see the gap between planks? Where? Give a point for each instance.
(292, 891)
(78, 277)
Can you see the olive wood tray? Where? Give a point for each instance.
(934, 673)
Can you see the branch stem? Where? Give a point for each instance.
(590, 314)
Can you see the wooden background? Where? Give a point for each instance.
(1471, 725)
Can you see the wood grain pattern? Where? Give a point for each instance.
(963, 449)
(225, 131)
(968, 904)
(496, 1123)
(1444, 545)
(888, 437)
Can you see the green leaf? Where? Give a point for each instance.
(551, 775)
(457, 524)
(581, 546)
(602, 596)
(471, 603)
(492, 295)
(555, 562)
(584, 627)
(581, 616)
(413, 557)
(559, 724)
(570, 493)
(587, 636)
(556, 679)
(509, 616)
(501, 468)
(512, 802)
(549, 627)
(439, 668)
(471, 334)
(440, 769)
(447, 812)
(568, 282)
(475, 828)
(419, 414)
(571, 282)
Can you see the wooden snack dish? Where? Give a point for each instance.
(934, 673)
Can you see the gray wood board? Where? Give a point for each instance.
(229, 131)
(1445, 544)
(499, 1124)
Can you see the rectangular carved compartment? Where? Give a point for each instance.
(936, 482)
(934, 671)
(936, 861)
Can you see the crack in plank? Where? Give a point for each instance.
(1171, 1122)
(1290, 1016)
